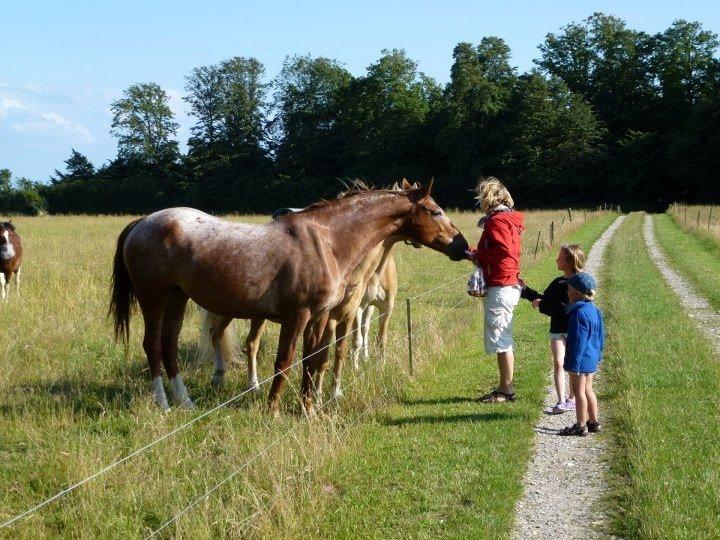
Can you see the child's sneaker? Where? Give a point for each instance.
(594, 427)
(559, 408)
(569, 404)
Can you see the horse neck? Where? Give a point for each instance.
(361, 222)
(388, 248)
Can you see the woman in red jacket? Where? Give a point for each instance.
(498, 254)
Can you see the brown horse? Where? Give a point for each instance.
(292, 271)
(10, 258)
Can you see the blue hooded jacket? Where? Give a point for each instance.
(585, 339)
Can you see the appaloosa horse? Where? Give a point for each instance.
(10, 257)
(292, 271)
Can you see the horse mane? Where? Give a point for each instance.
(353, 189)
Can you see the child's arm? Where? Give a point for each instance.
(530, 294)
(578, 335)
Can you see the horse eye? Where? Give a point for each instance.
(436, 213)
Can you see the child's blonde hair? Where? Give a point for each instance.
(575, 255)
(491, 193)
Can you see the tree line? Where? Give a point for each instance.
(607, 114)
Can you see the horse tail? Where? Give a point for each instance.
(208, 328)
(123, 295)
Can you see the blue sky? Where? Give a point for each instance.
(63, 62)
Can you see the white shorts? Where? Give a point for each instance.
(499, 305)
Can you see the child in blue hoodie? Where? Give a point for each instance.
(585, 343)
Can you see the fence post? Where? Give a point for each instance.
(562, 222)
(537, 245)
(585, 216)
(685, 214)
(570, 214)
(710, 217)
(409, 334)
(552, 233)
(698, 220)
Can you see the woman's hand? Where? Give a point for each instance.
(536, 303)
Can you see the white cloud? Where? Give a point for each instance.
(27, 119)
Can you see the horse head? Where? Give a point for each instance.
(7, 250)
(429, 224)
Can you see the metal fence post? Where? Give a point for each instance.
(409, 334)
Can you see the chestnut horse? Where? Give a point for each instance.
(216, 333)
(292, 271)
(10, 258)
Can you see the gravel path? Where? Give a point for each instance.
(698, 308)
(565, 478)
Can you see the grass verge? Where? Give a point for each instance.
(693, 253)
(662, 388)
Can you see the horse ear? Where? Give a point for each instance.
(425, 190)
(406, 184)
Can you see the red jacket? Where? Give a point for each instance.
(498, 251)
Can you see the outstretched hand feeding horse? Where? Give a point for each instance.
(292, 271)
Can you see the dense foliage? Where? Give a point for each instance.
(609, 114)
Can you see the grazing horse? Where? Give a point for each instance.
(291, 271)
(10, 258)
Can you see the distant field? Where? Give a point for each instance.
(71, 403)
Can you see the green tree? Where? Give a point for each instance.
(308, 100)
(552, 142)
(77, 167)
(144, 126)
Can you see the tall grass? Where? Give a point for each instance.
(662, 385)
(701, 220)
(71, 403)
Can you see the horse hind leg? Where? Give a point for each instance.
(341, 352)
(322, 360)
(152, 307)
(172, 321)
(17, 282)
(252, 345)
(385, 312)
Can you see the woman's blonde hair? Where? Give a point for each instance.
(575, 255)
(491, 193)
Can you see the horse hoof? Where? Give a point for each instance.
(189, 405)
(217, 381)
(254, 388)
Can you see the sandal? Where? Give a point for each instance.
(496, 396)
(579, 431)
(594, 427)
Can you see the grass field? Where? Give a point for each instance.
(662, 385)
(701, 220)
(71, 403)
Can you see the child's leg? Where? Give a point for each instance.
(578, 383)
(557, 348)
(592, 405)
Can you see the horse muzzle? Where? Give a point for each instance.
(456, 249)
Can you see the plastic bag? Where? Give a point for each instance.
(476, 285)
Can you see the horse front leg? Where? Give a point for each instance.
(357, 337)
(290, 331)
(222, 345)
(252, 345)
(311, 357)
(385, 312)
(2, 285)
(323, 359)
(341, 352)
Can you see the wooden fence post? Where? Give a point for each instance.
(570, 214)
(585, 216)
(537, 245)
(409, 334)
(685, 214)
(552, 233)
(698, 220)
(710, 217)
